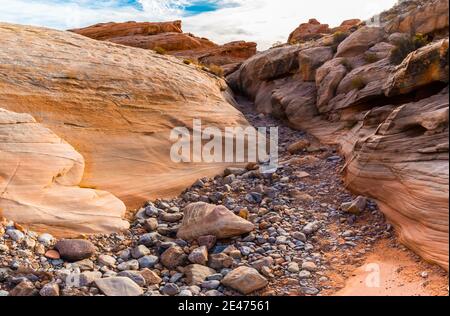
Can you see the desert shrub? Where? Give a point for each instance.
(216, 70)
(160, 50)
(339, 37)
(371, 57)
(358, 83)
(346, 63)
(404, 47)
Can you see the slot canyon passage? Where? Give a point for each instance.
(87, 187)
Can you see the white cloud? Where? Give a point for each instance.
(263, 21)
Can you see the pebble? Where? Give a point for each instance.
(211, 285)
(148, 261)
(311, 228)
(304, 274)
(107, 260)
(170, 289)
(310, 290)
(46, 239)
(199, 255)
(140, 251)
(15, 235)
(75, 249)
(151, 278)
(151, 224)
(134, 276)
(309, 266)
(118, 286)
(173, 257)
(128, 265)
(293, 267)
(3, 248)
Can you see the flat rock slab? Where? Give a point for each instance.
(118, 286)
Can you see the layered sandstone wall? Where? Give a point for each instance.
(381, 93)
(116, 106)
(169, 37)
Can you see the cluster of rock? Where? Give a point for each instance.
(168, 37)
(116, 106)
(315, 30)
(381, 93)
(232, 234)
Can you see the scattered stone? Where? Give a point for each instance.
(298, 146)
(24, 288)
(304, 274)
(208, 241)
(201, 219)
(311, 228)
(148, 262)
(151, 224)
(89, 277)
(293, 267)
(150, 277)
(196, 274)
(46, 239)
(15, 235)
(245, 280)
(170, 289)
(75, 249)
(136, 277)
(299, 236)
(170, 217)
(211, 284)
(118, 286)
(199, 255)
(173, 257)
(52, 254)
(220, 261)
(310, 290)
(128, 265)
(355, 207)
(309, 266)
(234, 171)
(106, 260)
(150, 239)
(139, 251)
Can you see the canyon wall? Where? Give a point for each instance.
(168, 37)
(381, 93)
(115, 106)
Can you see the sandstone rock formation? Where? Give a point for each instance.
(390, 120)
(202, 219)
(169, 37)
(39, 182)
(116, 106)
(315, 30)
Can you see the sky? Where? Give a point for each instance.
(261, 21)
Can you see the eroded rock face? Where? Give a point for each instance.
(116, 105)
(169, 37)
(308, 31)
(39, 182)
(390, 121)
(430, 18)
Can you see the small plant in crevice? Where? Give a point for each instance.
(370, 57)
(346, 63)
(159, 50)
(358, 83)
(405, 46)
(216, 70)
(339, 37)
